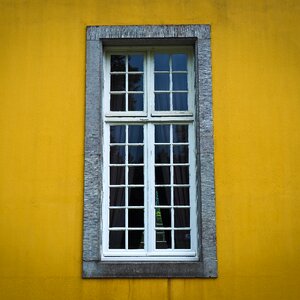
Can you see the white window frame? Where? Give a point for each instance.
(98, 37)
(149, 117)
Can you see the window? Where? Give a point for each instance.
(149, 201)
(149, 183)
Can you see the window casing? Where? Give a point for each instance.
(98, 119)
(149, 203)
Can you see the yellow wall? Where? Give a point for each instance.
(256, 63)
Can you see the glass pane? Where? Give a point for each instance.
(135, 82)
(136, 134)
(179, 82)
(162, 154)
(117, 196)
(117, 218)
(135, 154)
(135, 239)
(182, 217)
(135, 218)
(136, 102)
(117, 239)
(161, 82)
(163, 196)
(179, 62)
(180, 101)
(163, 239)
(117, 134)
(135, 175)
(117, 102)
(117, 154)
(162, 101)
(163, 217)
(117, 63)
(182, 239)
(162, 133)
(117, 175)
(117, 82)
(135, 63)
(181, 175)
(161, 62)
(181, 196)
(162, 175)
(180, 154)
(135, 196)
(180, 133)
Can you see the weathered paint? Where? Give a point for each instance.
(255, 59)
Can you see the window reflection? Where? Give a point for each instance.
(117, 239)
(179, 62)
(117, 63)
(135, 134)
(117, 82)
(117, 134)
(136, 63)
(161, 82)
(162, 133)
(180, 133)
(136, 102)
(161, 62)
(179, 82)
(180, 101)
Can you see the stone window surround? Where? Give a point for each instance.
(96, 38)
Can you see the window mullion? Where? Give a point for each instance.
(150, 154)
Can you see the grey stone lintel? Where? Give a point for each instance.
(96, 38)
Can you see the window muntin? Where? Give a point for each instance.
(149, 207)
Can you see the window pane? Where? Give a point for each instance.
(179, 62)
(117, 63)
(117, 82)
(163, 239)
(136, 102)
(135, 218)
(161, 62)
(179, 82)
(162, 154)
(117, 239)
(180, 101)
(135, 175)
(135, 82)
(135, 239)
(162, 101)
(117, 134)
(117, 102)
(135, 196)
(117, 175)
(161, 82)
(117, 196)
(136, 134)
(163, 217)
(117, 154)
(135, 63)
(180, 154)
(163, 196)
(162, 175)
(182, 239)
(181, 196)
(180, 133)
(117, 218)
(182, 217)
(181, 175)
(135, 154)
(162, 133)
